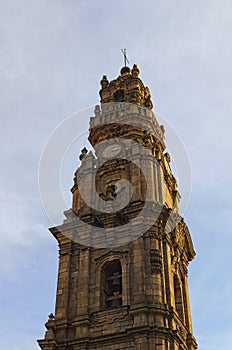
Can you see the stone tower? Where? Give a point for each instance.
(124, 249)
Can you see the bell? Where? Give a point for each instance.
(116, 303)
(116, 284)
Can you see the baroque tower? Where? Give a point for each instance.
(124, 249)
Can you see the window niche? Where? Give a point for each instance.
(119, 96)
(178, 297)
(111, 285)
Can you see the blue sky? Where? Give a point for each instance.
(53, 55)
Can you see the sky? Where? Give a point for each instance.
(53, 54)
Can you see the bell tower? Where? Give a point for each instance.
(124, 248)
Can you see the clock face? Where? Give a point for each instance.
(111, 150)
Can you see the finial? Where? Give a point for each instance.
(97, 110)
(104, 82)
(125, 57)
(135, 71)
(84, 151)
(125, 70)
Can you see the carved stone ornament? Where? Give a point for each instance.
(156, 261)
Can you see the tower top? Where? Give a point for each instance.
(127, 87)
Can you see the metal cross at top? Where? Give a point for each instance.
(125, 58)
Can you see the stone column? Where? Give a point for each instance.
(63, 281)
(82, 321)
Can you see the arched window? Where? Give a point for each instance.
(119, 96)
(178, 298)
(111, 285)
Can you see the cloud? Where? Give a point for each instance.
(21, 231)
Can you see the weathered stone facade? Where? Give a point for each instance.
(132, 294)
